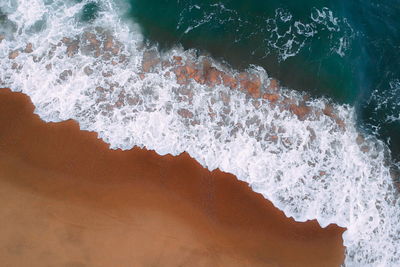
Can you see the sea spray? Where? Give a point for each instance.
(313, 167)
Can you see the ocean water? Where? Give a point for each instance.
(345, 50)
(83, 60)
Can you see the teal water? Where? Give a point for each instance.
(345, 50)
(82, 60)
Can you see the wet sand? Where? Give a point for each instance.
(67, 200)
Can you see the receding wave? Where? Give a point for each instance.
(305, 155)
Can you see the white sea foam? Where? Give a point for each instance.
(387, 101)
(282, 33)
(309, 169)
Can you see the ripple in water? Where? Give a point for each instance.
(305, 155)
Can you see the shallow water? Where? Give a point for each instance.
(68, 200)
(79, 62)
(347, 50)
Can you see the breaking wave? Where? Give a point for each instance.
(305, 155)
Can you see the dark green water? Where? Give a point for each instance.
(346, 50)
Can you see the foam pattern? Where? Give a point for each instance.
(310, 169)
(283, 34)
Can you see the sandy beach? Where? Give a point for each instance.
(68, 200)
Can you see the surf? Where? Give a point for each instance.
(304, 154)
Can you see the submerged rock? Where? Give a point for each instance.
(185, 113)
(301, 110)
(271, 97)
(211, 74)
(72, 47)
(151, 60)
(177, 60)
(329, 111)
(13, 55)
(87, 70)
(188, 68)
(252, 85)
(273, 85)
(229, 81)
(28, 49)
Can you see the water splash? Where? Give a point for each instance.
(309, 167)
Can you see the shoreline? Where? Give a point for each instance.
(68, 195)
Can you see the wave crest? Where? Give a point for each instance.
(303, 154)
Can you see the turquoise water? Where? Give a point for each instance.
(345, 50)
(84, 60)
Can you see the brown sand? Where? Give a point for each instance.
(67, 200)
